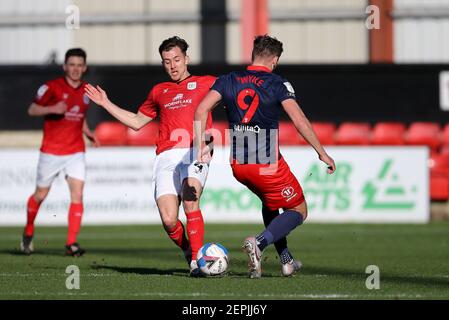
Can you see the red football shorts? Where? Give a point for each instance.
(276, 186)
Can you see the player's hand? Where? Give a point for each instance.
(97, 94)
(60, 108)
(93, 139)
(204, 155)
(330, 163)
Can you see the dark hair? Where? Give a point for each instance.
(266, 46)
(172, 42)
(75, 52)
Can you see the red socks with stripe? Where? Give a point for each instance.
(75, 215)
(195, 230)
(178, 235)
(32, 209)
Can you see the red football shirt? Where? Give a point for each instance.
(63, 134)
(176, 103)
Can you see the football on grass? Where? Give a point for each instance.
(213, 259)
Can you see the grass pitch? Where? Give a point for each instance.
(140, 262)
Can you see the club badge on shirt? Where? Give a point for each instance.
(41, 91)
(191, 86)
(86, 99)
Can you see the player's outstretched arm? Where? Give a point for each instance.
(133, 120)
(36, 110)
(209, 102)
(304, 127)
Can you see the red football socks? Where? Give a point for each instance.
(75, 215)
(32, 209)
(178, 236)
(195, 230)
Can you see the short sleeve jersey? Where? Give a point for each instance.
(175, 103)
(63, 134)
(252, 99)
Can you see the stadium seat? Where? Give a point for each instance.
(352, 133)
(146, 136)
(439, 164)
(221, 136)
(388, 133)
(288, 135)
(325, 132)
(445, 137)
(444, 149)
(111, 133)
(439, 176)
(424, 134)
(439, 187)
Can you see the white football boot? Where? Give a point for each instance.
(290, 268)
(254, 257)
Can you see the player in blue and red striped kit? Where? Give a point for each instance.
(254, 99)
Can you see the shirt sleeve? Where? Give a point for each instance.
(219, 85)
(44, 95)
(150, 107)
(212, 80)
(284, 91)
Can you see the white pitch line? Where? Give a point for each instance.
(232, 295)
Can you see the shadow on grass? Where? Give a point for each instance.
(42, 252)
(143, 271)
(435, 282)
(91, 251)
(174, 272)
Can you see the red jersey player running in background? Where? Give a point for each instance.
(63, 104)
(253, 100)
(176, 175)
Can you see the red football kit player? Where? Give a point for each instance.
(254, 99)
(63, 104)
(176, 174)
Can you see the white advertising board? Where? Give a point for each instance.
(371, 184)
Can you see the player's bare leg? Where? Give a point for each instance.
(301, 209)
(191, 193)
(75, 215)
(33, 204)
(168, 206)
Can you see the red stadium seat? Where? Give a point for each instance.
(325, 132)
(220, 133)
(388, 133)
(439, 187)
(439, 164)
(444, 149)
(111, 133)
(439, 176)
(351, 133)
(424, 134)
(288, 135)
(445, 137)
(146, 136)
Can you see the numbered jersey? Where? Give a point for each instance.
(252, 99)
